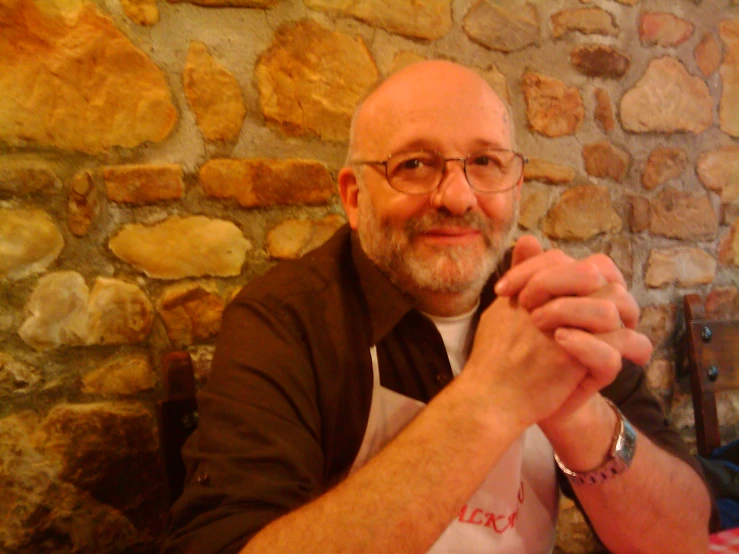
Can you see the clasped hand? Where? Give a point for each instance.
(586, 321)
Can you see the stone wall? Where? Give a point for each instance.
(155, 156)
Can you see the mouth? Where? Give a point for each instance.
(449, 235)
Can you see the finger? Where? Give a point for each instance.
(608, 309)
(526, 247)
(601, 358)
(516, 278)
(628, 307)
(603, 353)
(581, 278)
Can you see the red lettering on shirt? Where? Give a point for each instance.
(500, 523)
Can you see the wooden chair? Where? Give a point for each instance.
(713, 362)
(177, 417)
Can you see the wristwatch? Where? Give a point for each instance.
(619, 458)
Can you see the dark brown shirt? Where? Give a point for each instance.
(286, 405)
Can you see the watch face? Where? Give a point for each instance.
(626, 446)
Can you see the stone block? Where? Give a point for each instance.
(664, 164)
(182, 247)
(267, 182)
(588, 21)
(29, 242)
(502, 26)
(143, 184)
(663, 29)
(293, 238)
(667, 99)
(581, 213)
(604, 160)
(686, 267)
(548, 172)
(552, 108)
(683, 216)
(305, 95)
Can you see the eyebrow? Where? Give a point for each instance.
(426, 144)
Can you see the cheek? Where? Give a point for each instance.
(398, 209)
(498, 207)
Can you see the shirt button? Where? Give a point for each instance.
(442, 379)
(202, 478)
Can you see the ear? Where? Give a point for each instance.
(349, 191)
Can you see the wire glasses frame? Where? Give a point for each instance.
(420, 172)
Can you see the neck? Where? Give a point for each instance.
(447, 304)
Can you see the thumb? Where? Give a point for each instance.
(526, 247)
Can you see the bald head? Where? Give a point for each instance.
(429, 92)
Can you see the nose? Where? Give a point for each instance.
(454, 192)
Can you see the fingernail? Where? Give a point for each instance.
(501, 286)
(562, 335)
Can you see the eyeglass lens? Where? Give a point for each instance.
(421, 171)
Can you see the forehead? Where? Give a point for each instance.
(447, 108)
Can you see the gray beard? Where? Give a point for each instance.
(441, 269)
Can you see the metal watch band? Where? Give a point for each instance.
(619, 459)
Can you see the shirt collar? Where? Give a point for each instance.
(386, 303)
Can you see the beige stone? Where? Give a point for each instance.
(183, 247)
(143, 184)
(628, 2)
(638, 214)
(619, 249)
(424, 19)
(581, 213)
(190, 312)
(708, 54)
(663, 29)
(20, 177)
(664, 163)
(683, 216)
(125, 375)
(604, 160)
(660, 374)
(82, 203)
(729, 72)
(118, 313)
(722, 302)
(267, 182)
(729, 246)
(548, 172)
(16, 377)
(404, 59)
(497, 82)
(718, 170)
(305, 94)
(534, 205)
(687, 267)
(214, 95)
(58, 312)
(29, 242)
(589, 21)
(604, 110)
(143, 12)
(230, 3)
(293, 238)
(599, 60)
(77, 83)
(667, 99)
(552, 108)
(503, 26)
(658, 323)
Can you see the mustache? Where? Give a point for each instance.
(432, 220)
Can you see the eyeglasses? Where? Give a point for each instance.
(422, 171)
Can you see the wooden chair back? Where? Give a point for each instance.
(177, 417)
(713, 361)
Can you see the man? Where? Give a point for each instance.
(331, 422)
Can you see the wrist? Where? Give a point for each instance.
(583, 440)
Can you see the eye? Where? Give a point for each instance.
(413, 163)
(481, 160)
